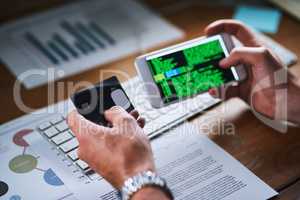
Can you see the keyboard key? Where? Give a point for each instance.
(72, 133)
(83, 165)
(94, 176)
(62, 126)
(56, 120)
(50, 132)
(69, 146)
(152, 115)
(61, 138)
(73, 155)
(44, 126)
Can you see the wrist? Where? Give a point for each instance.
(151, 192)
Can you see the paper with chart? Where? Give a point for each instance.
(23, 171)
(195, 167)
(80, 36)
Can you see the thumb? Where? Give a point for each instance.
(245, 55)
(115, 114)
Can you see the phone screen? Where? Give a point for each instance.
(190, 69)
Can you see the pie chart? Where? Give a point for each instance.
(23, 163)
(51, 178)
(15, 197)
(18, 137)
(3, 188)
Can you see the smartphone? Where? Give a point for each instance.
(92, 102)
(187, 69)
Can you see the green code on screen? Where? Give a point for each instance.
(190, 71)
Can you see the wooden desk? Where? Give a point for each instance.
(272, 156)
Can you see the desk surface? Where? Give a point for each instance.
(272, 156)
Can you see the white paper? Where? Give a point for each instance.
(192, 164)
(196, 168)
(23, 185)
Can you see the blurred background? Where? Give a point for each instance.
(83, 38)
(12, 9)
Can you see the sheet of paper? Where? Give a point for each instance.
(23, 170)
(261, 18)
(194, 167)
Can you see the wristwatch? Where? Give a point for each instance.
(144, 179)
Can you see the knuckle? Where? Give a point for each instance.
(238, 22)
(115, 108)
(112, 109)
(222, 21)
(127, 119)
(265, 52)
(235, 51)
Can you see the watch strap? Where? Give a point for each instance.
(141, 180)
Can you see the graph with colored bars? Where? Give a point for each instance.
(20, 165)
(80, 36)
(188, 72)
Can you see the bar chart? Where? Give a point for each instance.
(88, 38)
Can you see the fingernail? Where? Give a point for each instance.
(222, 63)
(212, 92)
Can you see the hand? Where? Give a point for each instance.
(259, 90)
(116, 153)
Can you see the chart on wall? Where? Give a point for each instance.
(23, 170)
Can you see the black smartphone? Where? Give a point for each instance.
(94, 101)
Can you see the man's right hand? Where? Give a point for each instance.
(118, 152)
(259, 90)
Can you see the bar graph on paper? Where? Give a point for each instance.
(87, 39)
(80, 36)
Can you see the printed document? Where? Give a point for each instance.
(193, 165)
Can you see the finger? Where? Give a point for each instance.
(224, 92)
(73, 120)
(213, 92)
(229, 92)
(115, 114)
(82, 127)
(141, 122)
(245, 55)
(135, 114)
(233, 27)
(80, 154)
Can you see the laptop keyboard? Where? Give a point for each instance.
(56, 130)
